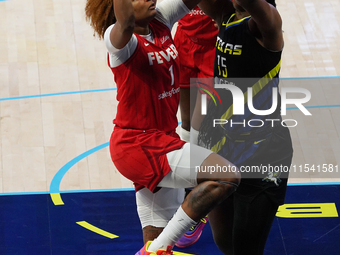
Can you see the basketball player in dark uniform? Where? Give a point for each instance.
(248, 54)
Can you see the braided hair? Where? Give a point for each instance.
(209, 135)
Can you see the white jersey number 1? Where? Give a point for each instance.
(171, 70)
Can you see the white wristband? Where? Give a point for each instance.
(194, 136)
(185, 135)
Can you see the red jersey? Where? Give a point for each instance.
(148, 83)
(148, 95)
(198, 25)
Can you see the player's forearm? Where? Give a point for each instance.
(124, 13)
(123, 29)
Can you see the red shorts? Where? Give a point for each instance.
(140, 155)
(196, 57)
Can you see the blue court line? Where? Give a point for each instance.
(313, 183)
(55, 183)
(57, 94)
(65, 191)
(111, 89)
(306, 78)
(316, 106)
(132, 189)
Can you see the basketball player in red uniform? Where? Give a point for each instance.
(195, 41)
(144, 146)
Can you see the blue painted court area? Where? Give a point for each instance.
(107, 223)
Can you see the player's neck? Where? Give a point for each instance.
(142, 30)
(241, 15)
(142, 26)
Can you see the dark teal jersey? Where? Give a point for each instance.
(239, 55)
(243, 62)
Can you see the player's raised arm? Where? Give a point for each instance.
(265, 23)
(125, 23)
(216, 9)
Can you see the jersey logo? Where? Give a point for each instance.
(228, 48)
(273, 177)
(196, 12)
(163, 40)
(146, 44)
(162, 56)
(257, 142)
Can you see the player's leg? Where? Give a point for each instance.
(188, 50)
(241, 224)
(211, 189)
(257, 200)
(194, 233)
(203, 57)
(252, 223)
(156, 209)
(221, 220)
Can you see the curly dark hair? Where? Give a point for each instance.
(100, 14)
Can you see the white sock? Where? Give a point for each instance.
(176, 228)
(185, 135)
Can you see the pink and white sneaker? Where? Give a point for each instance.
(191, 236)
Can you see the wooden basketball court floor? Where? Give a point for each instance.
(60, 192)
